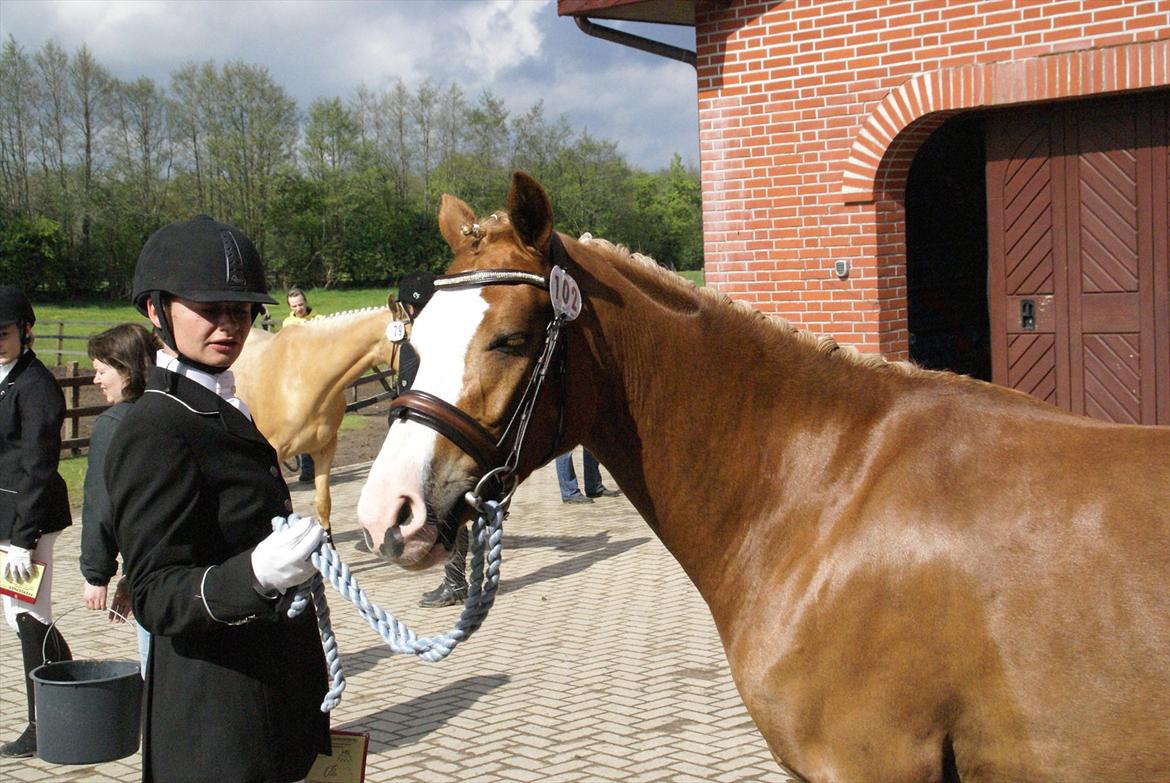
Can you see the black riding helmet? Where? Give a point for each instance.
(201, 260)
(16, 309)
(417, 289)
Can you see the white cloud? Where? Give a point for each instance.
(501, 34)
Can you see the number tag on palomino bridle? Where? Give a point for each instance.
(396, 331)
(566, 295)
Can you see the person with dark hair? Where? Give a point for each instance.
(233, 684)
(300, 311)
(121, 356)
(34, 503)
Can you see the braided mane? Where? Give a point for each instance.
(820, 343)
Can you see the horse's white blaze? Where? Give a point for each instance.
(442, 335)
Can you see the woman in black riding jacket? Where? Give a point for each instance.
(233, 685)
(34, 504)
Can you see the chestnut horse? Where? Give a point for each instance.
(916, 576)
(294, 381)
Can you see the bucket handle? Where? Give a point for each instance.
(66, 613)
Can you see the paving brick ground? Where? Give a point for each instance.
(599, 662)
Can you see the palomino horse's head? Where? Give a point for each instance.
(479, 341)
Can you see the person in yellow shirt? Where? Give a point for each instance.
(299, 312)
(299, 308)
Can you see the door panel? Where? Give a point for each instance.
(1106, 165)
(1077, 209)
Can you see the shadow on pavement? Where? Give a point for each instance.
(403, 720)
(571, 566)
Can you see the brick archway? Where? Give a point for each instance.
(880, 156)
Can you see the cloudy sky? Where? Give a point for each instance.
(519, 49)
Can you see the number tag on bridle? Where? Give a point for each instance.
(396, 331)
(566, 296)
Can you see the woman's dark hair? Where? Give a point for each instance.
(129, 349)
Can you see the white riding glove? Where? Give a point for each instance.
(18, 567)
(282, 560)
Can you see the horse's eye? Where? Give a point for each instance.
(512, 344)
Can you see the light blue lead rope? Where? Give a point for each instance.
(486, 549)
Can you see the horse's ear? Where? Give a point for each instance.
(391, 300)
(454, 214)
(530, 211)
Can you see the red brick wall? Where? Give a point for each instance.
(811, 110)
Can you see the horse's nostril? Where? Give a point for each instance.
(394, 542)
(403, 515)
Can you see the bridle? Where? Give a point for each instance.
(495, 458)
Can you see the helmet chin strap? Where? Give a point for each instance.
(168, 338)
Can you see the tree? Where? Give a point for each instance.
(16, 108)
(55, 107)
(190, 112)
(424, 111)
(667, 221)
(252, 132)
(539, 147)
(92, 86)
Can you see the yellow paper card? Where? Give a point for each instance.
(27, 590)
(347, 762)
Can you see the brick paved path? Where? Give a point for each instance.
(598, 662)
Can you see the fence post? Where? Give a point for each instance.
(60, 340)
(75, 403)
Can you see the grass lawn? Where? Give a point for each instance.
(72, 469)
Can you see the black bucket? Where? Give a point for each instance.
(87, 711)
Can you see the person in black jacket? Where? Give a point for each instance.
(233, 685)
(121, 356)
(34, 504)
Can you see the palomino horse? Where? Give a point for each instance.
(294, 381)
(916, 576)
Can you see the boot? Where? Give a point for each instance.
(39, 643)
(308, 469)
(453, 589)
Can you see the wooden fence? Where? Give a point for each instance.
(75, 412)
(60, 340)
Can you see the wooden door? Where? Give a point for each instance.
(1077, 255)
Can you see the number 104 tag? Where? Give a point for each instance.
(566, 296)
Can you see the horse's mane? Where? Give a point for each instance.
(819, 343)
(340, 316)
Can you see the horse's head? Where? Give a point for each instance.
(479, 340)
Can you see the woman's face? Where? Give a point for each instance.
(110, 381)
(9, 343)
(211, 333)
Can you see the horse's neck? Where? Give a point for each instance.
(703, 413)
(336, 353)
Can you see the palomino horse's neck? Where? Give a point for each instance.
(343, 345)
(697, 404)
